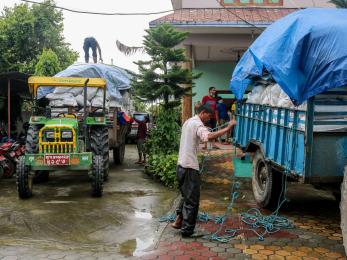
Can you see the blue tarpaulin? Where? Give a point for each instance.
(116, 78)
(305, 53)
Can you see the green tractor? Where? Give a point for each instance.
(73, 140)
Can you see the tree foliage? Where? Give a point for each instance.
(339, 3)
(164, 138)
(48, 64)
(25, 31)
(162, 147)
(162, 77)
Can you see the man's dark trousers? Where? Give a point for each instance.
(189, 184)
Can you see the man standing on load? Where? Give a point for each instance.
(187, 173)
(91, 42)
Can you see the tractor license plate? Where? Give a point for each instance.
(57, 159)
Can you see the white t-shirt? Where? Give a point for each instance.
(193, 131)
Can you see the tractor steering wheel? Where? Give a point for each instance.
(66, 115)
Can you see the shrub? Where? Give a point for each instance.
(163, 166)
(162, 147)
(164, 138)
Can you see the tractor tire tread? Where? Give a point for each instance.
(99, 146)
(97, 176)
(32, 140)
(23, 187)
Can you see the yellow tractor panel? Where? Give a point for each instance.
(35, 82)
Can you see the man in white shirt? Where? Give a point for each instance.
(188, 175)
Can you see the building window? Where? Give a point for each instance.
(253, 2)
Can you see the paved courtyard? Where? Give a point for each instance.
(63, 222)
(315, 214)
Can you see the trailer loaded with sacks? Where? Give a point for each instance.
(294, 123)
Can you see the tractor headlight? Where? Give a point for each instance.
(49, 135)
(99, 119)
(66, 134)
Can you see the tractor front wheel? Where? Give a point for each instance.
(24, 180)
(97, 176)
(99, 146)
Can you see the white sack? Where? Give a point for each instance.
(54, 96)
(80, 100)
(71, 102)
(61, 90)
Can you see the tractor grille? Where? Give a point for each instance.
(52, 141)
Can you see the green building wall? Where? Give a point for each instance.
(215, 74)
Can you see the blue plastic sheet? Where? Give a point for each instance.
(305, 53)
(117, 78)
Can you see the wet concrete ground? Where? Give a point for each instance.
(315, 214)
(62, 220)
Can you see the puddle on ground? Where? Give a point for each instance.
(63, 192)
(39, 211)
(59, 202)
(134, 247)
(143, 215)
(131, 170)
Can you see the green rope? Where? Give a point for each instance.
(253, 217)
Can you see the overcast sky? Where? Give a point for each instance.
(107, 29)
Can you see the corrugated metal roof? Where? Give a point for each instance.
(224, 16)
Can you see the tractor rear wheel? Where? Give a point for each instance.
(118, 154)
(24, 180)
(32, 147)
(97, 176)
(99, 146)
(343, 209)
(32, 140)
(266, 182)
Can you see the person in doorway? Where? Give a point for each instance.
(222, 117)
(211, 101)
(196, 107)
(141, 139)
(91, 42)
(187, 173)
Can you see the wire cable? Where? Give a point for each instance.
(94, 13)
(247, 22)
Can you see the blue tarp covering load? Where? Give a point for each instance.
(117, 78)
(304, 52)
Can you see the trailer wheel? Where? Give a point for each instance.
(99, 146)
(24, 180)
(343, 209)
(266, 182)
(118, 154)
(97, 176)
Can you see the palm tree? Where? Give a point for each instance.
(339, 3)
(128, 50)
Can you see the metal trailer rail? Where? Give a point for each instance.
(310, 146)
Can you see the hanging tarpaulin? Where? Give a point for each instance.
(304, 52)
